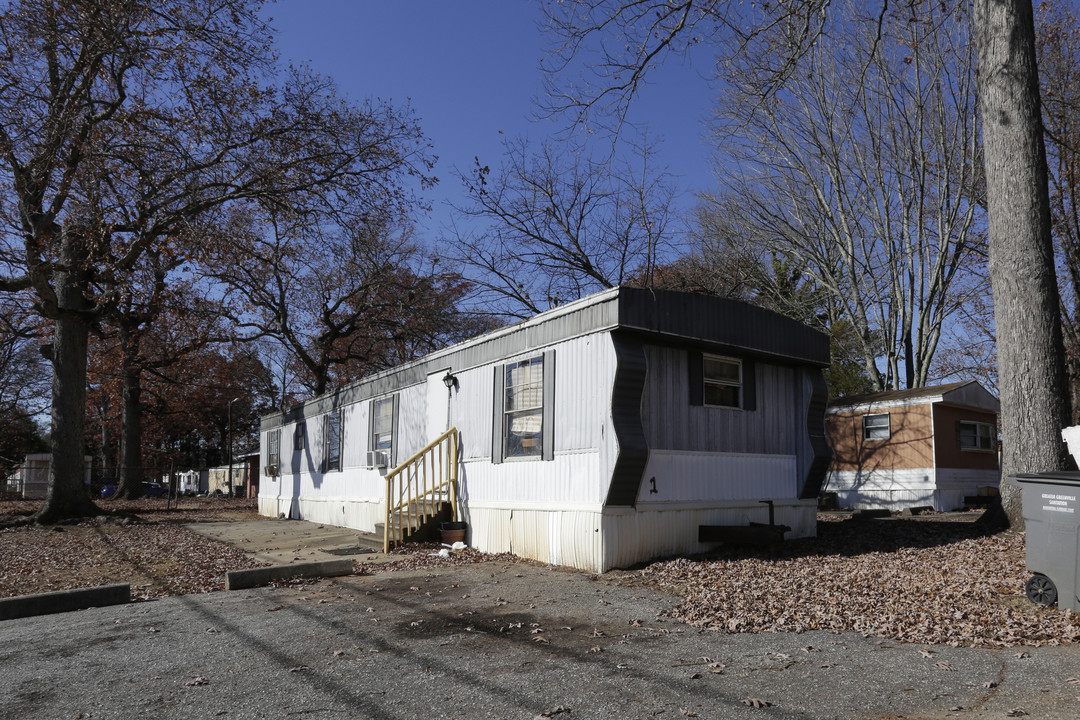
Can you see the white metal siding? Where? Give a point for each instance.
(562, 537)
(584, 373)
(410, 435)
(885, 489)
(354, 441)
(568, 478)
(703, 477)
(896, 489)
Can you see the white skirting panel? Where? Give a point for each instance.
(560, 537)
(598, 541)
(340, 512)
(636, 536)
(943, 489)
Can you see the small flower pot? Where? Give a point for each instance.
(453, 532)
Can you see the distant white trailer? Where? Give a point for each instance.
(598, 434)
(191, 481)
(31, 480)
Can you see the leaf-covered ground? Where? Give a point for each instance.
(910, 580)
(922, 581)
(153, 551)
(147, 545)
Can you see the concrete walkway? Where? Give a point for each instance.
(283, 542)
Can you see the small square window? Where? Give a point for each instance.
(876, 427)
(722, 378)
(974, 435)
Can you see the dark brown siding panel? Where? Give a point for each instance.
(626, 419)
(815, 428)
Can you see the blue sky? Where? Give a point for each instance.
(470, 70)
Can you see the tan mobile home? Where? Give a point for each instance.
(928, 446)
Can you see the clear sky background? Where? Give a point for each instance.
(470, 69)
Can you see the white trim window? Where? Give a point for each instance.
(973, 435)
(332, 444)
(273, 452)
(523, 409)
(299, 436)
(876, 427)
(382, 424)
(722, 381)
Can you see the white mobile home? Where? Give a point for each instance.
(596, 435)
(30, 481)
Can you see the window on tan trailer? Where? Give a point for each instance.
(876, 427)
(974, 435)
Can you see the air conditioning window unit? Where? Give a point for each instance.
(271, 470)
(377, 458)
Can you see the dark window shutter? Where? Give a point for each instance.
(697, 377)
(371, 425)
(324, 464)
(497, 416)
(749, 385)
(549, 405)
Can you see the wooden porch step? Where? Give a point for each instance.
(417, 529)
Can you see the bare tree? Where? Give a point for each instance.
(24, 382)
(24, 377)
(620, 41)
(557, 225)
(863, 169)
(343, 301)
(125, 122)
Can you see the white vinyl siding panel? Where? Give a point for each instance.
(354, 435)
(943, 489)
(706, 477)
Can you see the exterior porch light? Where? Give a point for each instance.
(449, 380)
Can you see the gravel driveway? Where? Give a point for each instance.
(491, 640)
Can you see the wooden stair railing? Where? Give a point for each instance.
(417, 488)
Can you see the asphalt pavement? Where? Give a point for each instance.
(491, 640)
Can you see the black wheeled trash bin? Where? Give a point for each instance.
(1051, 507)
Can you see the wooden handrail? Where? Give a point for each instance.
(415, 494)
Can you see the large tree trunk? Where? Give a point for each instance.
(131, 469)
(1034, 397)
(68, 496)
